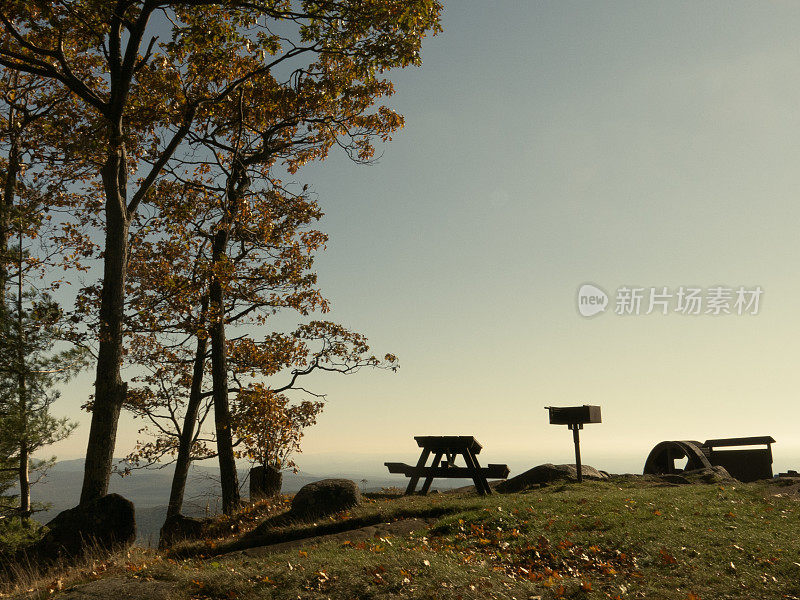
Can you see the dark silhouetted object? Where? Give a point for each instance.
(575, 417)
(569, 415)
(178, 528)
(448, 447)
(548, 473)
(265, 482)
(107, 523)
(661, 460)
(750, 464)
(325, 497)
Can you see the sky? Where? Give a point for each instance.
(548, 145)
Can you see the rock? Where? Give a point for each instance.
(178, 527)
(547, 473)
(265, 482)
(715, 474)
(324, 498)
(107, 523)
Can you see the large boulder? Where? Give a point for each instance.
(325, 497)
(546, 474)
(714, 474)
(106, 524)
(179, 527)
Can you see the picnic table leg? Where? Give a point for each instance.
(481, 476)
(412, 484)
(481, 485)
(428, 480)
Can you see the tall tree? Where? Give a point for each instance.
(29, 372)
(137, 91)
(266, 269)
(265, 125)
(172, 275)
(30, 321)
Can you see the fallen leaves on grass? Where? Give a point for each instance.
(665, 557)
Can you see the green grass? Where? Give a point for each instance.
(277, 527)
(618, 539)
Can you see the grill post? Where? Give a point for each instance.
(574, 417)
(576, 428)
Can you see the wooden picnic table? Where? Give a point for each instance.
(448, 447)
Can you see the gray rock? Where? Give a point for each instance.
(715, 474)
(179, 527)
(325, 497)
(547, 473)
(107, 523)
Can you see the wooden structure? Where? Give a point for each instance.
(749, 464)
(661, 460)
(448, 447)
(574, 417)
(569, 415)
(745, 464)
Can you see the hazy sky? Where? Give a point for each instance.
(547, 145)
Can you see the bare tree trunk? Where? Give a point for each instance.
(184, 458)
(237, 184)
(229, 479)
(24, 482)
(24, 454)
(109, 388)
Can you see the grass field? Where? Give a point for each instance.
(619, 539)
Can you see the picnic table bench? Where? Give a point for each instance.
(448, 447)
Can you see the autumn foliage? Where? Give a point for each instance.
(270, 427)
(174, 131)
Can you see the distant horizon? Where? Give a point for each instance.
(371, 464)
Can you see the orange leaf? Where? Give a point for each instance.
(666, 557)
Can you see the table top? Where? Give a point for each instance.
(448, 442)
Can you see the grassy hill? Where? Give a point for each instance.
(630, 537)
(149, 490)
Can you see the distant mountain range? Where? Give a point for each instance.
(149, 489)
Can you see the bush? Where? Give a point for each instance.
(16, 534)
